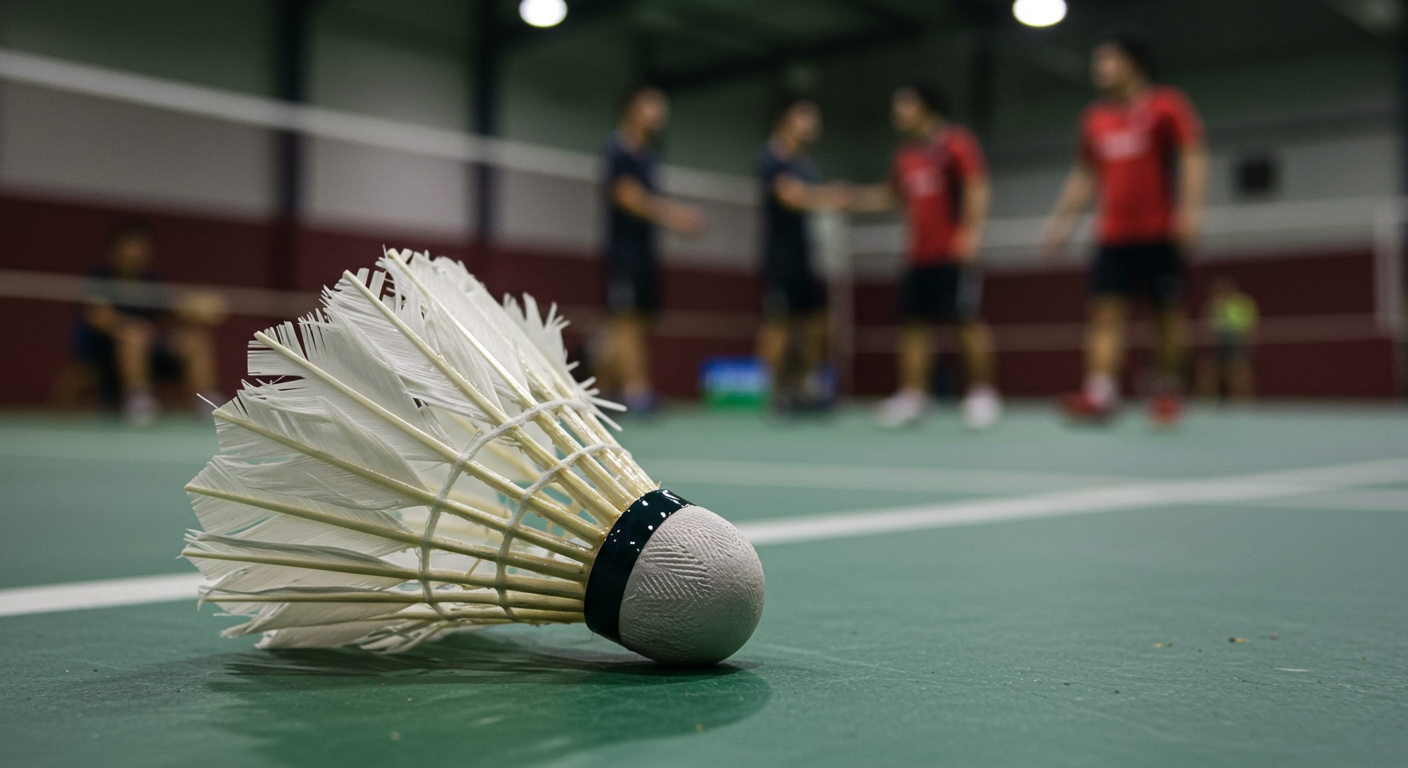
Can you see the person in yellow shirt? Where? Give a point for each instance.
(1232, 320)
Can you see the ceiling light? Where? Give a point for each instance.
(547, 13)
(1035, 13)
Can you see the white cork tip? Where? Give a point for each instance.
(695, 594)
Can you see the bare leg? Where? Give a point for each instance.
(915, 356)
(1240, 383)
(134, 341)
(633, 354)
(134, 355)
(1172, 327)
(982, 407)
(978, 353)
(816, 337)
(1209, 375)
(1104, 337)
(606, 362)
(772, 349)
(196, 348)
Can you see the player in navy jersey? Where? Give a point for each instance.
(634, 209)
(1141, 149)
(793, 338)
(940, 181)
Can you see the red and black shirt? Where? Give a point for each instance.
(1133, 149)
(930, 176)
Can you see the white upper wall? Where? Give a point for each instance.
(1327, 119)
(65, 144)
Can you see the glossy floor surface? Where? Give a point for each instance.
(1037, 595)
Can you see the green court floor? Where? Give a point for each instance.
(990, 622)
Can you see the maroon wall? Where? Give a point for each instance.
(1036, 312)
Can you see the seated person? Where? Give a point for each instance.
(133, 331)
(1231, 319)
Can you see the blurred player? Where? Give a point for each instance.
(1232, 318)
(634, 210)
(133, 332)
(939, 175)
(792, 341)
(1141, 148)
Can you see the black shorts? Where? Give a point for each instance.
(633, 287)
(1154, 270)
(789, 295)
(99, 350)
(941, 293)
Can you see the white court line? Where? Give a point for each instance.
(1265, 485)
(1342, 500)
(1241, 488)
(99, 594)
(867, 478)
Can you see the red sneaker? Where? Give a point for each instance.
(1079, 407)
(1165, 410)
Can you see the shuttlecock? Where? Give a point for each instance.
(415, 458)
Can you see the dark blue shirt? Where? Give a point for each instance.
(142, 295)
(630, 239)
(787, 245)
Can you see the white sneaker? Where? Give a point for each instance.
(982, 408)
(901, 409)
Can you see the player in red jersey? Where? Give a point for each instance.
(940, 179)
(1142, 151)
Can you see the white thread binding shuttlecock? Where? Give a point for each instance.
(416, 458)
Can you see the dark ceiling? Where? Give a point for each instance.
(699, 43)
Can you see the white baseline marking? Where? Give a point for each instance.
(1238, 489)
(1242, 488)
(1342, 500)
(867, 478)
(99, 594)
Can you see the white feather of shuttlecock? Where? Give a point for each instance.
(412, 458)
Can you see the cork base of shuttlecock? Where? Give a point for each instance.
(695, 594)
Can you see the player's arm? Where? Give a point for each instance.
(801, 196)
(874, 198)
(632, 197)
(1186, 131)
(977, 196)
(1075, 195)
(1192, 192)
(103, 316)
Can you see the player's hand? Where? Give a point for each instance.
(837, 196)
(684, 219)
(202, 308)
(965, 246)
(1053, 239)
(1188, 227)
(869, 199)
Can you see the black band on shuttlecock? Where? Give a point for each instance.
(617, 558)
